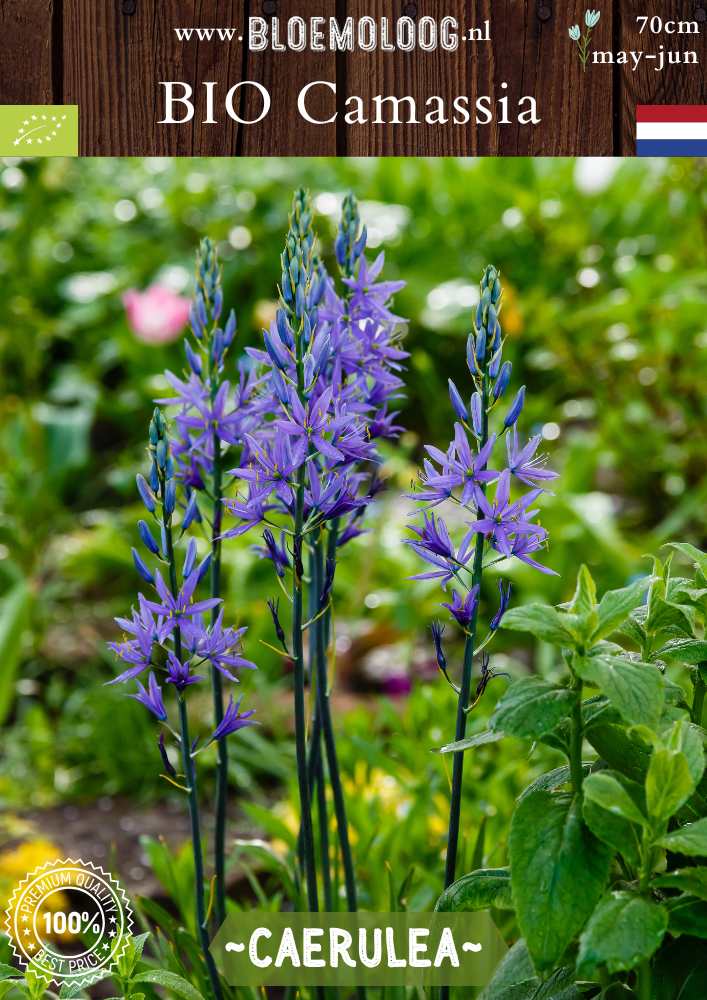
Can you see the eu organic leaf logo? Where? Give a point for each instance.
(591, 19)
(39, 129)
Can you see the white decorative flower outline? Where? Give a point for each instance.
(591, 19)
(98, 972)
(47, 127)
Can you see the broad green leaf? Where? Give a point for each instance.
(542, 621)
(689, 738)
(624, 930)
(171, 981)
(9, 972)
(127, 962)
(622, 750)
(633, 630)
(558, 871)
(478, 891)
(69, 991)
(514, 970)
(689, 880)
(690, 651)
(634, 689)
(697, 558)
(532, 707)
(515, 979)
(690, 839)
(607, 791)
(478, 740)
(688, 915)
(585, 595)
(606, 805)
(551, 780)
(669, 783)
(616, 605)
(623, 837)
(668, 616)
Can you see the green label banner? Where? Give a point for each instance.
(358, 949)
(39, 130)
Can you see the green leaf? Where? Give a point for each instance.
(612, 814)
(688, 915)
(622, 750)
(607, 791)
(478, 891)
(690, 839)
(634, 689)
(624, 930)
(132, 955)
(690, 880)
(478, 740)
(632, 630)
(691, 651)
(585, 595)
(616, 605)
(514, 969)
(623, 837)
(669, 783)
(9, 972)
(531, 707)
(171, 981)
(558, 871)
(689, 738)
(550, 780)
(542, 621)
(697, 558)
(69, 991)
(14, 614)
(667, 616)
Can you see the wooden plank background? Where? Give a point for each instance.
(108, 56)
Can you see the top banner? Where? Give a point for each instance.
(360, 77)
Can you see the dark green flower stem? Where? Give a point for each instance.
(300, 718)
(644, 981)
(298, 659)
(217, 692)
(316, 774)
(322, 629)
(577, 740)
(465, 690)
(698, 701)
(190, 778)
(324, 708)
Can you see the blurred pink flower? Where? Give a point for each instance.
(157, 315)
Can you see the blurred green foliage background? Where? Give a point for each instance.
(605, 270)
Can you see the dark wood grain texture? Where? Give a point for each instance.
(529, 52)
(114, 64)
(676, 84)
(284, 74)
(110, 56)
(26, 55)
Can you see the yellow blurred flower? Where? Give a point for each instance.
(18, 862)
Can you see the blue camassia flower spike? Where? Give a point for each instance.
(168, 634)
(494, 530)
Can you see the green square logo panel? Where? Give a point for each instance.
(39, 130)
